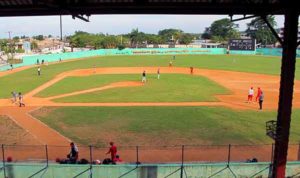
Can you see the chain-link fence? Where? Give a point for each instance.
(150, 154)
(138, 155)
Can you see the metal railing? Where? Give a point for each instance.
(137, 155)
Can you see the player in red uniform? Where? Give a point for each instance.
(258, 94)
(112, 150)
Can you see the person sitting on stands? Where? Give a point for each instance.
(117, 160)
(73, 155)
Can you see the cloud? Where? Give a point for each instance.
(112, 24)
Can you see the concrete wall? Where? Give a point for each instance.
(31, 60)
(144, 171)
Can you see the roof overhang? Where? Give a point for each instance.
(91, 7)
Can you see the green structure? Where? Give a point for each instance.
(31, 60)
(221, 170)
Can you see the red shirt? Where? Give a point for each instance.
(117, 160)
(258, 92)
(113, 151)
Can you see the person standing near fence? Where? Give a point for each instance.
(261, 100)
(112, 150)
(74, 153)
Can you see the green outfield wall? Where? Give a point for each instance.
(31, 60)
(143, 171)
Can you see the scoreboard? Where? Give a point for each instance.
(242, 44)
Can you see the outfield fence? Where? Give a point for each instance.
(32, 60)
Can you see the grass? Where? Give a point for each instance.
(27, 80)
(72, 84)
(169, 88)
(162, 125)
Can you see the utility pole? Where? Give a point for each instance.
(9, 35)
(10, 46)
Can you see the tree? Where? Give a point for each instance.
(136, 37)
(186, 38)
(222, 30)
(38, 37)
(170, 35)
(16, 38)
(3, 44)
(34, 45)
(23, 37)
(206, 35)
(121, 47)
(153, 39)
(109, 41)
(9, 49)
(259, 30)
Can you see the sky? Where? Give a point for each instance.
(111, 24)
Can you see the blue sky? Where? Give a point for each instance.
(112, 24)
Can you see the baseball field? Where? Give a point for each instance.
(92, 101)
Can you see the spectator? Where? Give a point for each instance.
(43, 61)
(11, 67)
(37, 61)
(112, 150)
(97, 161)
(73, 155)
(117, 159)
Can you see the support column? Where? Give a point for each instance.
(286, 93)
(60, 25)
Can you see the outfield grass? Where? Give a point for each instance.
(162, 125)
(27, 80)
(169, 88)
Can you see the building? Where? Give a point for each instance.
(205, 44)
(27, 47)
(281, 33)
